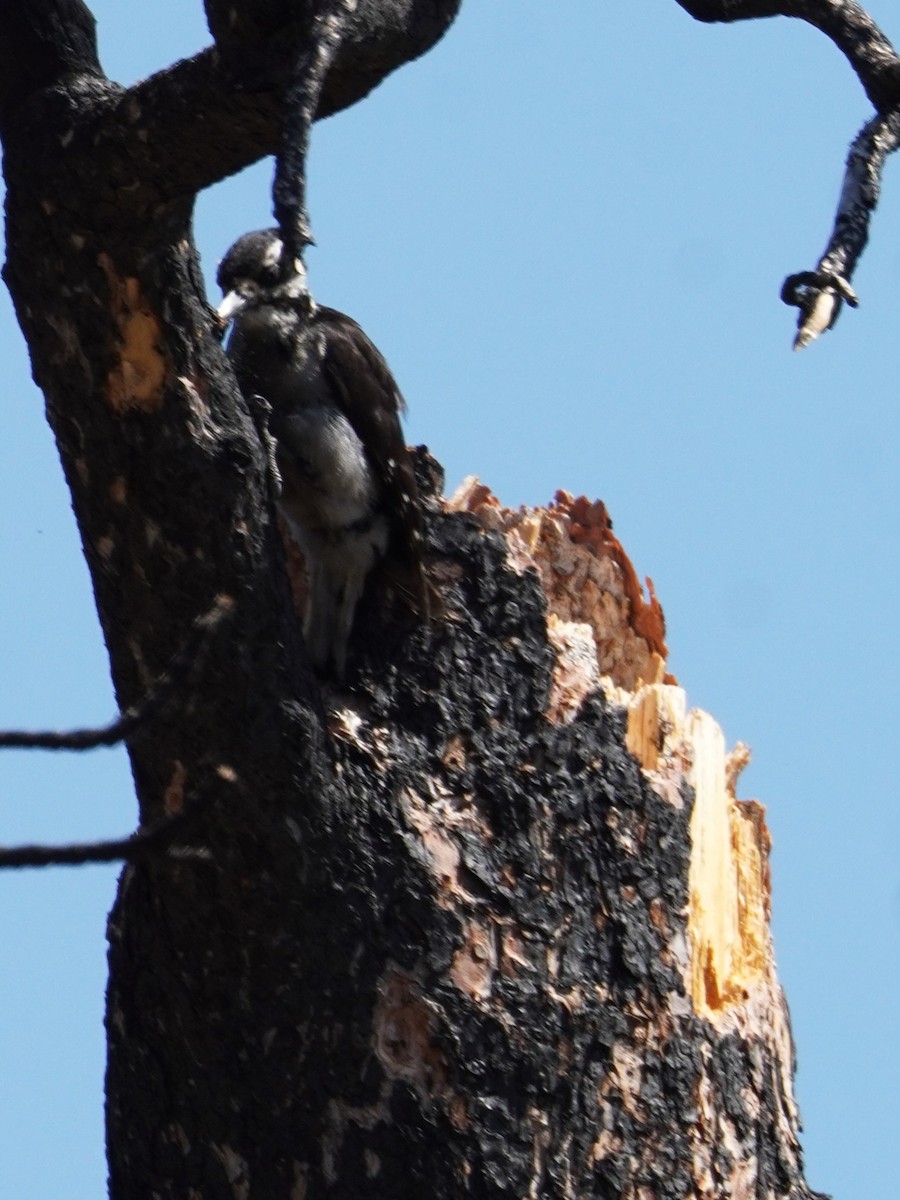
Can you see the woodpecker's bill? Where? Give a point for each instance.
(349, 491)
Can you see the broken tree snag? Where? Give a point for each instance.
(608, 637)
(518, 946)
(587, 578)
(553, 976)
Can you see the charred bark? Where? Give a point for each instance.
(467, 929)
(522, 949)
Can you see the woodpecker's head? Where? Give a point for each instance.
(252, 275)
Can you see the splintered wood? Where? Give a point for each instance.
(609, 636)
(592, 589)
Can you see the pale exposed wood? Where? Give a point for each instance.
(600, 630)
(587, 577)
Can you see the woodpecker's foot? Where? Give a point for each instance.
(261, 412)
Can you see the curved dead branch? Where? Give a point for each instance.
(844, 22)
(301, 103)
(820, 293)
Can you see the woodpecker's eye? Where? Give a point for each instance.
(269, 275)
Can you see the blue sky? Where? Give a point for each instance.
(566, 228)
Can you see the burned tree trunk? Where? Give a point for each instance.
(489, 922)
(519, 947)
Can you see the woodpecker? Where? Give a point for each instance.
(348, 487)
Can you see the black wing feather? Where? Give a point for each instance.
(371, 401)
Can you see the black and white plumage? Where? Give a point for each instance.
(348, 486)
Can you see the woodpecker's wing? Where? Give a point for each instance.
(371, 401)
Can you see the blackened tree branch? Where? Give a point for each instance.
(820, 294)
(209, 116)
(154, 840)
(257, 42)
(136, 715)
(315, 55)
(194, 126)
(230, 100)
(41, 44)
(845, 22)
